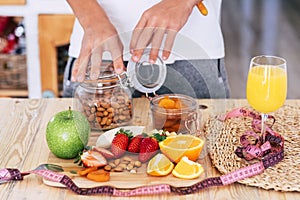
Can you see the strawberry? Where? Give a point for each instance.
(105, 152)
(92, 158)
(120, 142)
(134, 144)
(149, 146)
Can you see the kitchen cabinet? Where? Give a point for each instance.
(40, 65)
(54, 31)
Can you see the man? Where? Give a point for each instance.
(119, 30)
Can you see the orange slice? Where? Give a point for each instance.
(187, 169)
(175, 147)
(159, 165)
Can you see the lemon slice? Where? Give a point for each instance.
(159, 165)
(187, 169)
(175, 147)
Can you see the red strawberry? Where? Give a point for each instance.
(93, 159)
(149, 146)
(134, 144)
(120, 142)
(105, 152)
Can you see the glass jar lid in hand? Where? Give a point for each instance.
(145, 76)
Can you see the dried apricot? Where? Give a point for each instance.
(178, 104)
(99, 176)
(85, 171)
(167, 103)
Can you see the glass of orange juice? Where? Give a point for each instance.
(266, 85)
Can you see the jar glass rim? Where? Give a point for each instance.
(192, 103)
(109, 80)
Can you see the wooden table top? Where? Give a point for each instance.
(23, 146)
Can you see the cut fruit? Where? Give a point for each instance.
(178, 146)
(187, 169)
(92, 158)
(159, 165)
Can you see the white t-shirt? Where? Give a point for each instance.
(200, 37)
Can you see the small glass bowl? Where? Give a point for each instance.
(180, 120)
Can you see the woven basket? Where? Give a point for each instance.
(13, 71)
(223, 139)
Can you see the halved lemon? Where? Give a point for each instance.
(187, 169)
(178, 146)
(159, 165)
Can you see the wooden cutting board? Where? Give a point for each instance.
(121, 180)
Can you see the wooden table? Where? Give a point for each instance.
(23, 146)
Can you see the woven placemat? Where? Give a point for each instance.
(224, 137)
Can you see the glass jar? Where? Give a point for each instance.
(106, 102)
(181, 117)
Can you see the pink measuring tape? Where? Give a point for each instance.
(267, 149)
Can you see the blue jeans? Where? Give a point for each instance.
(195, 78)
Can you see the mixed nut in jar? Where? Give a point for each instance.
(175, 113)
(106, 102)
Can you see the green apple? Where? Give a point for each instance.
(67, 133)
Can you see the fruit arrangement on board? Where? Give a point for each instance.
(161, 152)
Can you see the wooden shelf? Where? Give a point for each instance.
(12, 2)
(13, 93)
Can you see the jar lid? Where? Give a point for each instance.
(144, 76)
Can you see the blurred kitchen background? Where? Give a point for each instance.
(253, 27)
(34, 42)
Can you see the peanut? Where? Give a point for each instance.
(137, 163)
(117, 161)
(91, 118)
(93, 109)
(110, 110)
(123, 165)
(127, 159)
(103, 121)
(105, 105)
(115, 105)
(112, 164)
(129, 167)
(108, 122)
(122, 117)
(108, 167)
(100, 109)
(118, 169)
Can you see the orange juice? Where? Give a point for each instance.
(266, 88)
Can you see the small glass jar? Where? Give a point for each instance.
(106, 102)
(184, 118)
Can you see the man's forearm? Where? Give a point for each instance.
(87, 12)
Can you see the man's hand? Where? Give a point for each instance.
(164, 19)
(99, 36)
(95, 42)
